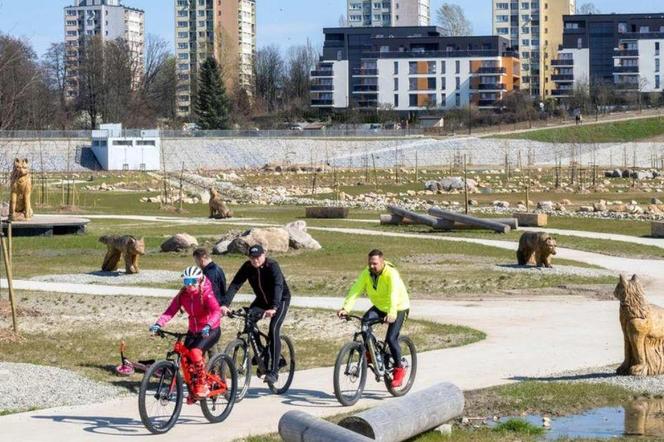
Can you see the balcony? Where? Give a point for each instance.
(322, 87)
(322, 103)
(486, 103)
(626, 86)
(563, 62)
(491, 87)
(562, 77)
(362, 72)
(323, 73)
(561, 92)
(493, 70)
(365, 88)
(625, 69)
(622, 53)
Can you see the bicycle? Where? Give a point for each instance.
(361, 353)
(161, 394)
(250, 338)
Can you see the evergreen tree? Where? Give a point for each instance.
(212, 104)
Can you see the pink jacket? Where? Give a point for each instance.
(201, 306)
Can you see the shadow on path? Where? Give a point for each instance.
(112, 426)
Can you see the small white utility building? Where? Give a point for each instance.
(134, 150)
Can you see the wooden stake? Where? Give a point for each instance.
(10, 278)
(465, 184)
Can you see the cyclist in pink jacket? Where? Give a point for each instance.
(197, 298)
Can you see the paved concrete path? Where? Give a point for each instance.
(526, 338)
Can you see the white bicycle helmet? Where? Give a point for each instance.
(191, 275)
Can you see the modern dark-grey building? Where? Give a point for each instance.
(619, 49)
(411, 68)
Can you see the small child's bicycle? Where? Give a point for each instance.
(162, 393)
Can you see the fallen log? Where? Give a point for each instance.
(326, 212)
(419, 218)
(395, 220)
(469, 220)
(415, 414)
(298, 426)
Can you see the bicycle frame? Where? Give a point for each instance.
(251, 334)
(180, 355)
(376, 349)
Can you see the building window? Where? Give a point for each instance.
(457, 67)
(457, 100)
(656, 48)
(431, 67)
(657, 85)
(412, 67)
(443, 99)
(442, 67)
(396, 68)
(656, 64)
(412, 100)
(457, 83)
(396, 84)
(412, 84)
(442, 83)
(396, 100)
(431, 83)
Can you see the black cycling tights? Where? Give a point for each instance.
(274, 335)
(393, 330)
(196, 340)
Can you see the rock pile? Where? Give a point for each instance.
(293, 236)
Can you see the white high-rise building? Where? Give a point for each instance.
(108, 20)
(388, 13)
(223, 29)
(535, 28)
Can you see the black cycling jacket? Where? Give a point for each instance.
(267, 282)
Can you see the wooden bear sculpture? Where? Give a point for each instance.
(125, 245)
(643, 330)
(21, 189)
(536, 248)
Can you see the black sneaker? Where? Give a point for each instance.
(271, 378)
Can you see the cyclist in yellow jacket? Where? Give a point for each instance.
(382, 283)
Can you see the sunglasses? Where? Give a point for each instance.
(190, 281)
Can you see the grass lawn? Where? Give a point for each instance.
(631, 130)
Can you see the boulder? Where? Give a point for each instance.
(298, 238)
(221, 248)
(600, 206)
(273, 239)
(642, 175)
(586, 209)
(655, 201)
(617, 173)
(179, 242)
(501, 204)
(625, 174)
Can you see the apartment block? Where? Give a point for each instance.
(388, 13)
(535, 29)
(620, 50)
(105, 19)
(223, 29)
(412, 69)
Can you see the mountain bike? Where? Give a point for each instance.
(162, 393)
(366, 351)
(251, 340)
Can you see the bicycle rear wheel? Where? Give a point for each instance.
(409, 362)
(350, 373)
(160, 397)
(286, 367)
(221, 375)
(238, 351)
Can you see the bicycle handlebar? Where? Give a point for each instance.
(163, 333)
(361, 319)
(244, 312)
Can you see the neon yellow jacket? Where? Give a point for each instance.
(389, 295)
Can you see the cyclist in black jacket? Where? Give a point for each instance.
(272, 299)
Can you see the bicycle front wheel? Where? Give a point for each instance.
(286, 367)
(160, 397)
(409, 363)
(238, 351)
(222, 382)
(350, 373)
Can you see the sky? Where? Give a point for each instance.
(281, 22)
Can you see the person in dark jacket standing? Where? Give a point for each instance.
(272, 299)
(217, 278)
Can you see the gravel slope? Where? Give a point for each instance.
(28, 386)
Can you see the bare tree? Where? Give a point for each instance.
(453, 21)
(55, 77)
(301, 60)
(587, 8)
(20, 79)
(269, 77)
